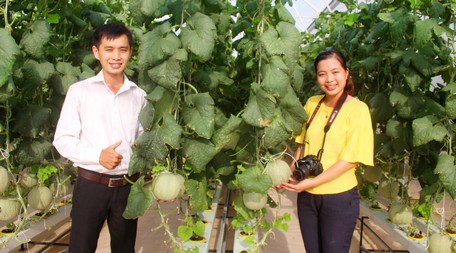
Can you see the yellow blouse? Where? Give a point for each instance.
(350, 138)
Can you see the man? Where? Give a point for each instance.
(97, 127)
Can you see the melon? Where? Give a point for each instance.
(279, 171)
(182, 184)
(400, 214)
(4, 179)
(9, 209)
(373, 174)
(167, 186)
(254, 201)
(64, 189)
(388, 189)
(439, 243)
(40, 197)
(28, 180)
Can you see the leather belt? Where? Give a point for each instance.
(109, 180)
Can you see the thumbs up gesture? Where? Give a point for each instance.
(109, 158)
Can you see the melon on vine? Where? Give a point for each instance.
(400, 213)
(28, 180)
(167, 186)
(65, 188)
(388, 189)
(40, 197)
(9, 209)
(254, 201)
(373, 174)
(4, 179)
(279, 171)
(439, 243)
(182, 184)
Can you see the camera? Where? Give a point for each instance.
(306, 167)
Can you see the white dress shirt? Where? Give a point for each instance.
(93, 118)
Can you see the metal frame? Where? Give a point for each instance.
(361, 247)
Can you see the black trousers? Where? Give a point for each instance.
(327, 221)
(93, 204)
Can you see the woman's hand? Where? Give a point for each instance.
(295, 186)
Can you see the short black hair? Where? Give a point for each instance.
(110, 31)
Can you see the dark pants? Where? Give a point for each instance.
(327, 221)
(93, 204)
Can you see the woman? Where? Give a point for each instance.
(328, 204)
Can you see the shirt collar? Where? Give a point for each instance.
(99, 78)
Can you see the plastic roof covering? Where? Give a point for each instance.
(305, 11)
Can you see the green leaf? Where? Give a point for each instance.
(163, 100)
(34, 41)
(293, 112)
(400, 23)
(423, 31)
(198, 113)
(412, 79)
(199, 36)
(211, 79)
(31, 120)
(67, 76)
(380, 107)
(407, 105)
(450, 106)
(170, 131)
(158, 45)
(284, 39)
(150, 7)
(198, 152)
(32, 152)
(45, 172)
(199, 228)
(167, 74)
(148, 149)
(8, 52)
(277, 131)
(419, 61)
(224, 135)
(185, 232)
(447, 173)
(146, 117)
(254, 180)
(139, 200)
(197, 190)
(36, 74)
(284, 14)
(428, 129)
(395, 129)
(260, 107)
(275, 81)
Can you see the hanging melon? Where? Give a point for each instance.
(439, 243)
(400, 214)
(39, 197)
(388, 189)
(279, 171)
(4, 179)
(9, 209)
(167, 186)
(254, 201)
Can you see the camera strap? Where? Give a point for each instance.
(331, 119)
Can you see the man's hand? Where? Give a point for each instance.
(109, 158)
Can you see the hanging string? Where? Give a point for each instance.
(441, 212)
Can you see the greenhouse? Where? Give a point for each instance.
(227, 126)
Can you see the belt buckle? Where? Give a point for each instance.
(116, 182)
